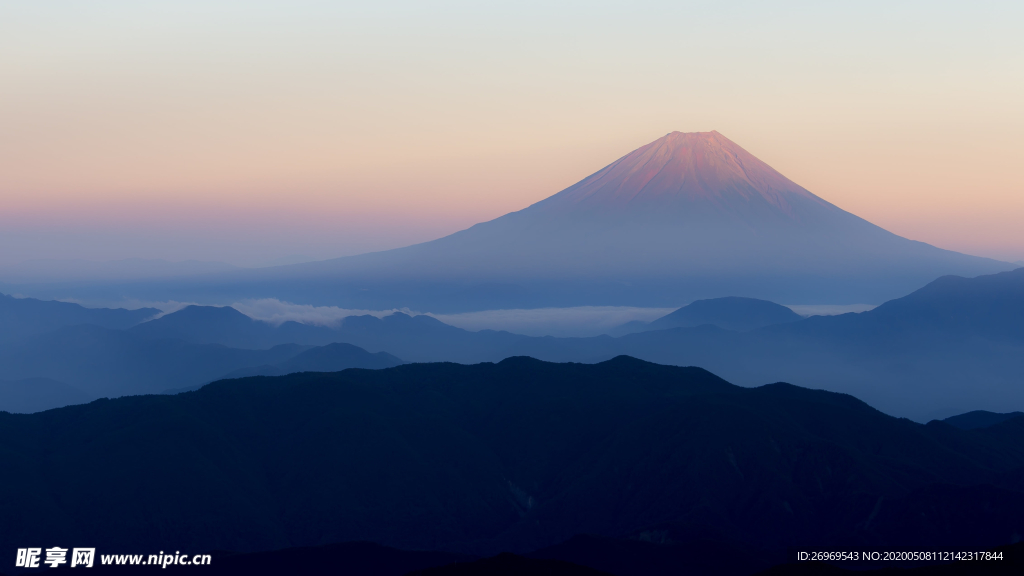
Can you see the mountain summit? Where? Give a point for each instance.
(688, 175)
(689, 216)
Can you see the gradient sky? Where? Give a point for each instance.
(253, 131)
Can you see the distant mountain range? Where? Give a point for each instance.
(24, 317)
(329, 358)
(955, 345)
(80, 363)
(689, 216)
(518, 456)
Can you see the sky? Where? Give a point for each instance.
(262, 132)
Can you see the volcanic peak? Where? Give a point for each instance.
(681, 169)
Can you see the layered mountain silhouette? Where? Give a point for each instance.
(330, 358)
(80, 363)
(953, 345)
(24, 317)
(980, 419)
(229, 327)
(517, 456)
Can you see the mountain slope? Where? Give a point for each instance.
(686, 217)
(951, 346)
(103, 362)
(730, 313)
(330, 358)
(512, 456)
(980, 419)
(24, 317)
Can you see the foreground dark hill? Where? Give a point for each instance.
(514, 456)
(24, 317)
(980, 419)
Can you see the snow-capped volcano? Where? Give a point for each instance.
(688, 216)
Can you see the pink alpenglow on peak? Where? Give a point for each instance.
(686, 217)
(695, 172)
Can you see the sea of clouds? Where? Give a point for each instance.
(578, 321)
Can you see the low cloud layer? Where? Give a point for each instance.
(579, 321)
(829, 309)
(277, 312)
(576, 321)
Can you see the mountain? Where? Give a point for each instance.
(177, 352)
(689, 216)
(420, 338)
(953, 345)
(227, 326)
(515, 456)
(990, 306)
(338, 356)
(730, 312)
(37, 394)
(330, 358)
(980, 419)
(209, 325)
(24, 317)
(103, 362)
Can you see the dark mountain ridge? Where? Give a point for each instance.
(24, 317)
(980, 419)
(511, 456)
